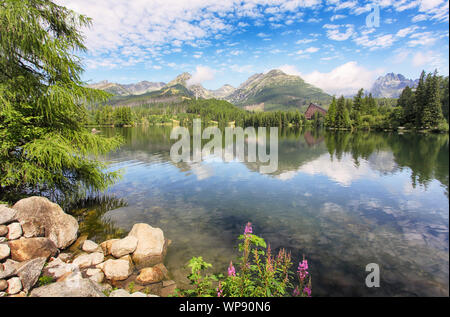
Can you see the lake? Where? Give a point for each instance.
(343, 200)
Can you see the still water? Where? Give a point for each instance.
(342, 200)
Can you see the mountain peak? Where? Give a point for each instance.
(391, 85)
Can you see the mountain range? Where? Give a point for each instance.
(391, 85)
(272, 90)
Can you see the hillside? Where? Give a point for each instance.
(277, 90)
(128, 89)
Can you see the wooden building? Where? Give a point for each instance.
(312, 109)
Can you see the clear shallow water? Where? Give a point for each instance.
(343, 200)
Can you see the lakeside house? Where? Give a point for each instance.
(312, 109)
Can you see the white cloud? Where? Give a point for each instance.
(289, 69)
(405, 31)
(201, 74)
(428, 59)
(337, 17)
(305, 41)
(380, 41)
(343, 80)
(311, 49)
(423, 39)
(333, 31)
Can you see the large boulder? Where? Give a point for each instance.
(116, 270)
(29, 272)
(7, 214)
(124, 246)
(71, 287)
(150, 248)
(40, 217)
(26, 249)
(4, 251)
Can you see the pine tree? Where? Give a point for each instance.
(342, 118)
(420, 99)
(431, 114)
(45, 146)
(357, 104)
(407, 102)
(331, 114)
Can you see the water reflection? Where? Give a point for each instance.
(342, 199)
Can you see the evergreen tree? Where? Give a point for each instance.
(331, 114)
(45, 146)
(407, 101)
(342, 118)
(420, 99)
(431, 114)
(357, 104)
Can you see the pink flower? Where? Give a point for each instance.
(231, 270)
(307, 291)
(296, 293)
(248, 229)
(219, 291)
(302, 269)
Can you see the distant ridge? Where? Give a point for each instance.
(391, 85)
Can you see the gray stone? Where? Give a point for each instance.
(124, 246)
(40, 217)
(14, 231)
(29, 272)
(77, 287)
(58, 268)
(5, 251)
(7, 214)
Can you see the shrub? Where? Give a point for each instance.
(258, 273)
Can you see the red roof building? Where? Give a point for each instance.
(312, 109)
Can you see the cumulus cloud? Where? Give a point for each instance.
(343, 80)
(334, 33)
(201, 74)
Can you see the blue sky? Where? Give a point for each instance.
(328, 43)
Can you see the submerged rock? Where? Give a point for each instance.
(40, 217)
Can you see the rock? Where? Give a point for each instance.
(65, 257)
(29, 272)
(14, 286)
(3, 230)
(95, 275)
(27, 249)
(123, 246)
(152, 295)
(20, 294)
(7, 214)
(40, 217)
(14, 231)
(5, 251)
(106, 246)
(57, 268)
(70, 287)
(150, 248)
(87, 260)
(169, 288)
(3, 285)
(76, 246)
(89, 246)
(119, 293)
(150, 275)
(8, 268)
(116, 270)
(2, 239)
(98, 278)
(138, 294)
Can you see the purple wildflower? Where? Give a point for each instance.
(302, 269)
(219, 291)
(296, 293)
(307, 291)
(231, 270)
(248, 229)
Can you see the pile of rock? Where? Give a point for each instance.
(36, 232)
